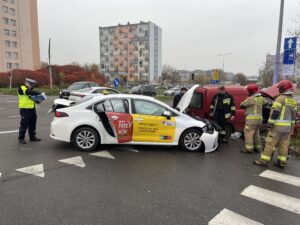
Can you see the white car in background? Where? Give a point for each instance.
(78, 95)
(130, 119)
(172, 92)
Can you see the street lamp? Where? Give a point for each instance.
(223, 56)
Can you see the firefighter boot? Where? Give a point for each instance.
(260, 162)
(279, 164)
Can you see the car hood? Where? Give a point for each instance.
(186, 99)
(273, 91)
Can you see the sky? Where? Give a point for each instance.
(194, 32)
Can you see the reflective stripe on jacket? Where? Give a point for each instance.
(228, 105)
(24, 100)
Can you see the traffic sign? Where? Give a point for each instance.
(290, 43)
(214, 81)
(289, 56)
(216, 74)
(116, 82)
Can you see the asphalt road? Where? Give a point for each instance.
(136, 184)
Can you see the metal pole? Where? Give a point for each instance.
(50, 69)
(277, 60)
(10, 80)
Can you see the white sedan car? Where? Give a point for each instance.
(129, 119)
(78, 95)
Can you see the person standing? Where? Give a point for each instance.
(27, 111)
(253, 106)
(177, 97)
(222, 108)
(281, 123)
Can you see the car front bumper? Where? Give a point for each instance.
(210, 141)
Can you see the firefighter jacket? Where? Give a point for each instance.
(223, 104)
(283, 113)
(253, 106)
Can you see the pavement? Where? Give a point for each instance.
(50, 182)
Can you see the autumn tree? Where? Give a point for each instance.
(241, 79)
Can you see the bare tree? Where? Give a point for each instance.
(170, 75)
(241, 79)
(266, 75)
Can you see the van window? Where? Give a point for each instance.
(197, 100)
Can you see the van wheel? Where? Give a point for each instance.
(85, 139)
(190, 140)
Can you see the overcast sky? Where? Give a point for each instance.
(194, 31)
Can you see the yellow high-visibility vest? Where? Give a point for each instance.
(24, 100)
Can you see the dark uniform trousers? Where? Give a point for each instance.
(28, 121)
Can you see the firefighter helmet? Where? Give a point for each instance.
(285, 86)
(252, 88)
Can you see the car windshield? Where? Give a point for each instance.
(136, 88)
(75, 86)
(84, 90)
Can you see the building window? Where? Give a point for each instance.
(7, 43)
(12, 1)
(5, 9)
(15, 55)
(14, 44)
(14, 33)
(8, 55)
(12, 11)
(6, 32)
(13, 22)
(9, 65)
(16, 65)
(5, 21)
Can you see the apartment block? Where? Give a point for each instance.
(19, 37)
(131, 50)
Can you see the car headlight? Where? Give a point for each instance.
(60, 92)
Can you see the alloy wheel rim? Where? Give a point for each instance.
(85, 139)
(192, 141)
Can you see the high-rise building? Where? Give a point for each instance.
(19, 37)
(131, 50)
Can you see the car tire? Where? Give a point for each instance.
(85, 139)
(190, 140)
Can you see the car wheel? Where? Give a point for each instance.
(191, 141)
(85, 139)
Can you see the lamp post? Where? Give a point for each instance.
(223, 58)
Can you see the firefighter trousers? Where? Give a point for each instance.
(252, 138)
(279, 140)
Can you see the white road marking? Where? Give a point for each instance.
(227, 217)
(75, 161)
(14, 116)
(273, 198)
(281, 177)
(2, 108)
(104, 154)
(11, 101)
(9, 131)
(36, 170)
(0, 175)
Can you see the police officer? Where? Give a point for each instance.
(222, 108)
(253, 106)
(27, 111)
(281, 122)
(177, 97)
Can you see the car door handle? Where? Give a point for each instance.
(115, 117)
(138, 119)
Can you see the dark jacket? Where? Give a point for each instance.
(177, 99)
(223, 104)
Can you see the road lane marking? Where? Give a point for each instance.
(281, 177)
(273, 198)
(2, 108)
(36, 170)
(14, 116)
(0, 175)
(227, 217)
(11, 101)
(103, 154)
(9, 131)
(75, 161)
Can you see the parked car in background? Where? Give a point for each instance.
(148, 90)
(77, 95)
(75, 87)
(172, 92)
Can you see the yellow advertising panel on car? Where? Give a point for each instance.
(147, 128)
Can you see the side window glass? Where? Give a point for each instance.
(148, 108)
(107, 106)
(118, 105)
(196, 101)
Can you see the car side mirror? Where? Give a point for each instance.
(167, 114)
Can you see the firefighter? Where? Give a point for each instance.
(222, 108)
(281, 123)
(253, 106)
(27, 111)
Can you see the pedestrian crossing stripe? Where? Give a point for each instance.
(227, 217)
(273, 198)
(284, 178)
